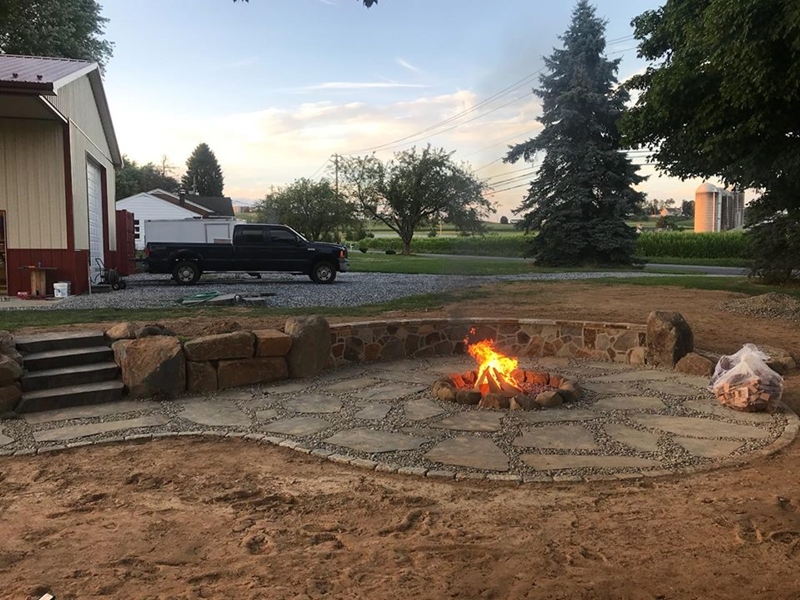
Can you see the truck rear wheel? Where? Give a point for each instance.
(323, 272)
(186, 272)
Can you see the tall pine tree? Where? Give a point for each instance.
(203, 173)
(583, 189)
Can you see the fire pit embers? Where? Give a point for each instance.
(527, 390)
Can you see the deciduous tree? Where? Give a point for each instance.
(414, 190)
(203, 174)
(62, 28)
(583, 190)
(310, 207)
(720, 100)
(133, 178)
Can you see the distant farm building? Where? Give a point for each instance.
(717, 209)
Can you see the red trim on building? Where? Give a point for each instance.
(68, 185)
(70, 266)
(126, 243)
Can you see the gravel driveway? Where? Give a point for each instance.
(288, 291)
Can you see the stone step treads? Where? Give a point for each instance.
(72, 395)
(48, 379)
(64, 340)
(72, 357)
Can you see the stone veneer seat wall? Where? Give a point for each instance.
(419, 338)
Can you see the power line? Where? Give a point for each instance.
(527, 176)
(322, 166)
(513, 137)
(508, 189)
(504, 92)
(508, 173)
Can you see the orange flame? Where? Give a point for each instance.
(494, 369)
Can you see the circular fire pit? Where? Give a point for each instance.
(499, 383)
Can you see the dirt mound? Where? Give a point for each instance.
(766, 306)
(191, 328)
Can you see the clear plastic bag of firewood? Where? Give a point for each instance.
(743, 381)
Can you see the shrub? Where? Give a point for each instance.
(390, 251)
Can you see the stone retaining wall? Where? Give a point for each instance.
(417, 338)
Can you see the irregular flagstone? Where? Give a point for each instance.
(708, 448)
(313, 404)
(629, 403)
(418, 410)
(234, 395)
(712, 406)
(673, 389)
(393, 391)
(297, 426)
(214, 414)
(427, 432)
(474, 452)
(64, 434)
(559, 437)
(412, 377)
(552, 415)
(695, 381)
(643, 441)
(374, 442)
(286, 388)
(351, 385)
(258, 403)
(699, 427)
(611, 387)
(267, 414)
(472, 421)
(374, 412)
(550, 462)
(5, 440)
(555, 362)
(88, 412)
(607, 366)
(633, 376)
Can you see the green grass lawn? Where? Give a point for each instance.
(705, 262)
(374, 262)
(741, 285)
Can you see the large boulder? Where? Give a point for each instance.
(271, 342)
(120, 347)
(153, 366)
(9, 397)
(695, 364)
(781, 361)
(222, 346)
(235, 373)
(153, 329)
(669, 338)
(9, 348)
(311, 345)
(201, 377)
(122, 331)
(10, 371)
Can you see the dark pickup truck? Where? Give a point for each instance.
(253, 249)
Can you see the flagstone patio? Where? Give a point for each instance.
(630, 422)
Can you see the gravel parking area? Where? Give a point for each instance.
(288, 291)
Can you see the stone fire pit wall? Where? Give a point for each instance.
(418, 338)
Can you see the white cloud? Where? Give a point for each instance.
(360, 85)
(404, 63)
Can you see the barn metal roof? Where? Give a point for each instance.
(40, 73)
(43, 76)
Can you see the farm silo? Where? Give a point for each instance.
(706, 208)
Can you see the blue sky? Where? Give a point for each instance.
(277, 86)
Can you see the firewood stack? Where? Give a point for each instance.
(748, 394)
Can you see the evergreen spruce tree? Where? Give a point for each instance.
(203, 173)
(583, 189)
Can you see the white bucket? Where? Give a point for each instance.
(61, 289)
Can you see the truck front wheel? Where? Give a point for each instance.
(323, 272)
(186, 272)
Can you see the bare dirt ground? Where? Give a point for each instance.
(231, 519)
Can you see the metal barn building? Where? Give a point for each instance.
(58, 154)
(717, 209)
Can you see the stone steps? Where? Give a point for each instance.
(67, 376)
(67, 369)
(71, 395)
(73, 357)
(66, 340)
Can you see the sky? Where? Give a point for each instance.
(277, 87)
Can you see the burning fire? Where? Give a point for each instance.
(495, 370)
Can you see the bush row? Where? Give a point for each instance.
(677, 244)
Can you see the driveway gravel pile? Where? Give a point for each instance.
(287, 291)
(766, 306)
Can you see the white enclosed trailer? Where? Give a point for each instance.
(193, 231)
